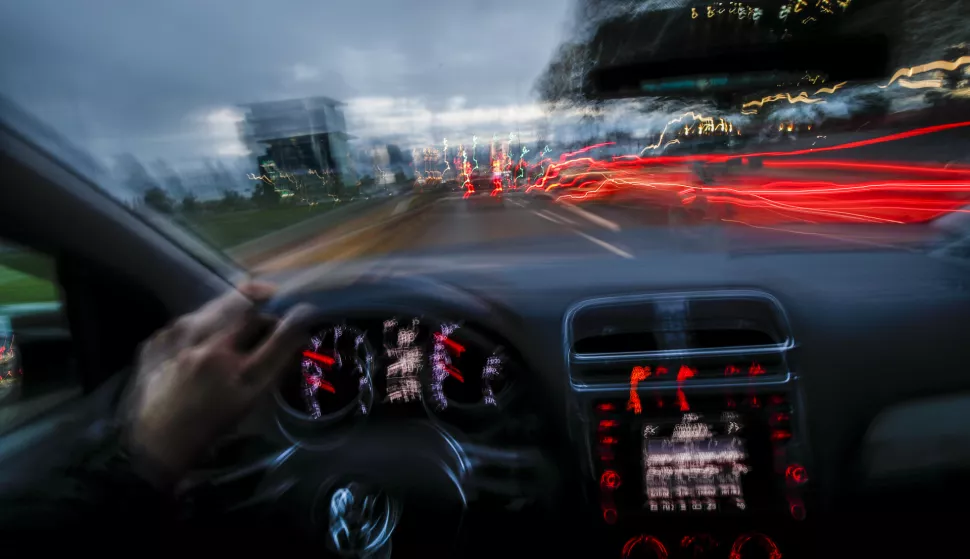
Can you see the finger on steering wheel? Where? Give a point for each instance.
(216, 314)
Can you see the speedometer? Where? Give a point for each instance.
(334, 378)
(466, 369)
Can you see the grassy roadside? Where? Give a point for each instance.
(228, 229)
(26, 277)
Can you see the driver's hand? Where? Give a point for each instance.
(196, 378)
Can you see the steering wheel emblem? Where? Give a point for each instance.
(362, 519)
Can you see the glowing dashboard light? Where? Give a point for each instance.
(638, 374)
(609, 515)
(454, 346)
(796, 509)
(610, 480)
(319, 357)
(605, 407)
(653, 544)
(685, 373)
(455, 373)
(491, 371)
(607, 424)
(682, 401)
(319, 383)
(731, 370)
(779, 435)
(761, 540)
(796, 474)
(756, 369)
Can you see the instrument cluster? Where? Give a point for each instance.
(396, 366)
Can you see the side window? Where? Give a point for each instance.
(37, 369)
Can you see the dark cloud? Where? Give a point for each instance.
(116, 75)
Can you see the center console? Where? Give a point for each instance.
(701, 470)
(693, 450)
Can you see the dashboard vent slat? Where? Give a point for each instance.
(719, 333)
(681, 323)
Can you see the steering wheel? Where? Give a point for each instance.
(347, 495)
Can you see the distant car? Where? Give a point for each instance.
(485, 191)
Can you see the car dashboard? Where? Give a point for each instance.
(708, 407)
(370, 368)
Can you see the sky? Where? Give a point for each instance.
(165, 79)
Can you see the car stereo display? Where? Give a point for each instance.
(695, 463)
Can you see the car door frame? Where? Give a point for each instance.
(109, 260)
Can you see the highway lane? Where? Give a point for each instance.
(666, 208)
(453, 225)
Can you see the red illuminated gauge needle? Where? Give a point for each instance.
(454, 346)
(325, 359)
(320, 383)
(455, 373)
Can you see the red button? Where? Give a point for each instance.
(607, 424)
(610, 480)
(780, 435)
(796, 474)
(797, 511)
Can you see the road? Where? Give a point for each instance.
(618, 209)
(450, 223)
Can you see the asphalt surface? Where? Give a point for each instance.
(451, 224)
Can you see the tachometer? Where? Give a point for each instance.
(466, 369)
(334, 378)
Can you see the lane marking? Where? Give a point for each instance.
(551, 218)
(601, 221)
(614, 249)
(562, 217)
(402, 206)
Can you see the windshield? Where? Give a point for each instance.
(296, 132)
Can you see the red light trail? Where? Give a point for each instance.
(762, 196)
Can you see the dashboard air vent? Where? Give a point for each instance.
(683, 323)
